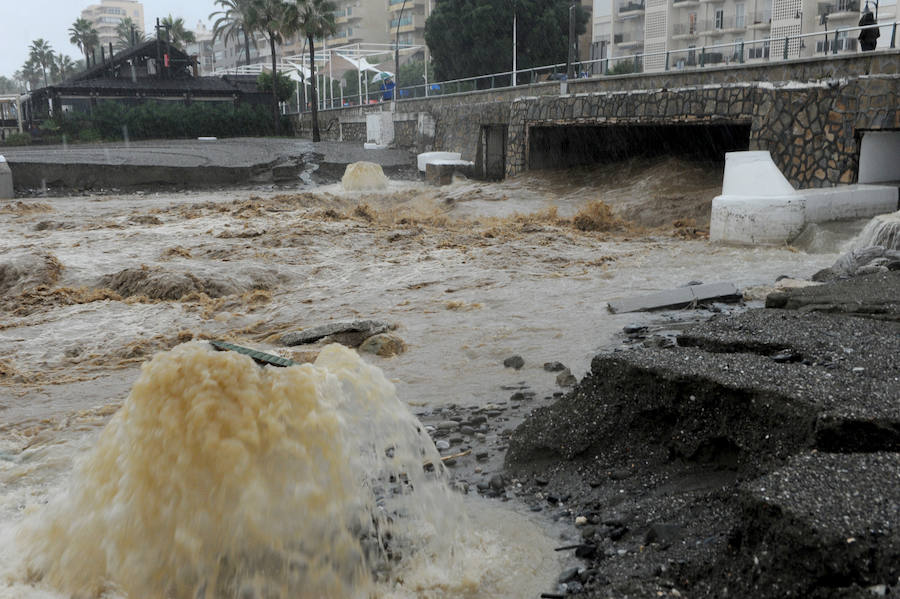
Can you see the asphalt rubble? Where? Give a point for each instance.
(756, 455)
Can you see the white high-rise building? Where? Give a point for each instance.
(673, 34)
(107, 15)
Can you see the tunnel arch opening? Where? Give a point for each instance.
(564, 146)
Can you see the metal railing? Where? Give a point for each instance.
(770, 49)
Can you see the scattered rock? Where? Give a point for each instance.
(633, 329)
(566, 378)
(514, 362)
(384, 345)
(568, 574)
(359, 328)
(554, 366)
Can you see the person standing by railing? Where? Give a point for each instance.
(868, 38)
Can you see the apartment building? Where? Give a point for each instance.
(107, 15)
(359, 21)
(673, 34)
(408, 28)
(203, 49)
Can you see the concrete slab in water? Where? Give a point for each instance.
(676, 298)
(187, 163)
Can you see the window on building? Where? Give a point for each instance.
(720, 18)
(737, 54)
(692, 23)
(739, 15)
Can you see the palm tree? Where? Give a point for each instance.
(270, 18)
(42, 55)
(128, 34)
(314, 19)
(83, 35)
(234, 22)
(177, 34)
(63, 67)
(29, 75)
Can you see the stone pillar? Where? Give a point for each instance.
(6, 180)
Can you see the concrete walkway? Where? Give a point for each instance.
(190, 163)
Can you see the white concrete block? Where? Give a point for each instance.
(753, 174)
(759, 207)
(424, 158)
(380, 128)
(847, 202)
(6, 180)
(756, 221)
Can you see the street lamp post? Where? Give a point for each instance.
(569, 54)
(397, 53)
(514, 46)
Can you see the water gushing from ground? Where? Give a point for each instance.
(219, 478)
(883, 230)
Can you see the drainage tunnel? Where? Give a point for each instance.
(567, 146)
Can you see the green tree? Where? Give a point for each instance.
(128, 34)
(474, 37)
(285, 85)
(269, 17)
(63, 67)
(83, 35)
(315, 20)
(29, 75)
(234, 23)
(41, 54)
(9, 86)
(175, 33)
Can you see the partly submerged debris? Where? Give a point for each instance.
(683, 297)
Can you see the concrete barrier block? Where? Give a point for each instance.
(756, 221)
(380, 128)
(440, 172)
(424, 158)
(6, 180)
(848, 202)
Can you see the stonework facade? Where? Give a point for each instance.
(811, 129)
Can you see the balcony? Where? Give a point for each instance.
(631, 7)
(839, 9)
(684, 30)
(712, 27)
(407, 24)
(759, 20)
(396, 5)
(628, 40)
(685, 3)
(832, 46)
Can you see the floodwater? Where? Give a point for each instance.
(105, 501)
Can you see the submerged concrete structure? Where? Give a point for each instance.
(759, 207)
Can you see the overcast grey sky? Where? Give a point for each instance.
(23, 22)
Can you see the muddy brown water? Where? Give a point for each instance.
(471, 274)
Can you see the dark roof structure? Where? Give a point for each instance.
(139, 54)
(152, 70)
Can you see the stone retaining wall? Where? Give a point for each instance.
(811, 118)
